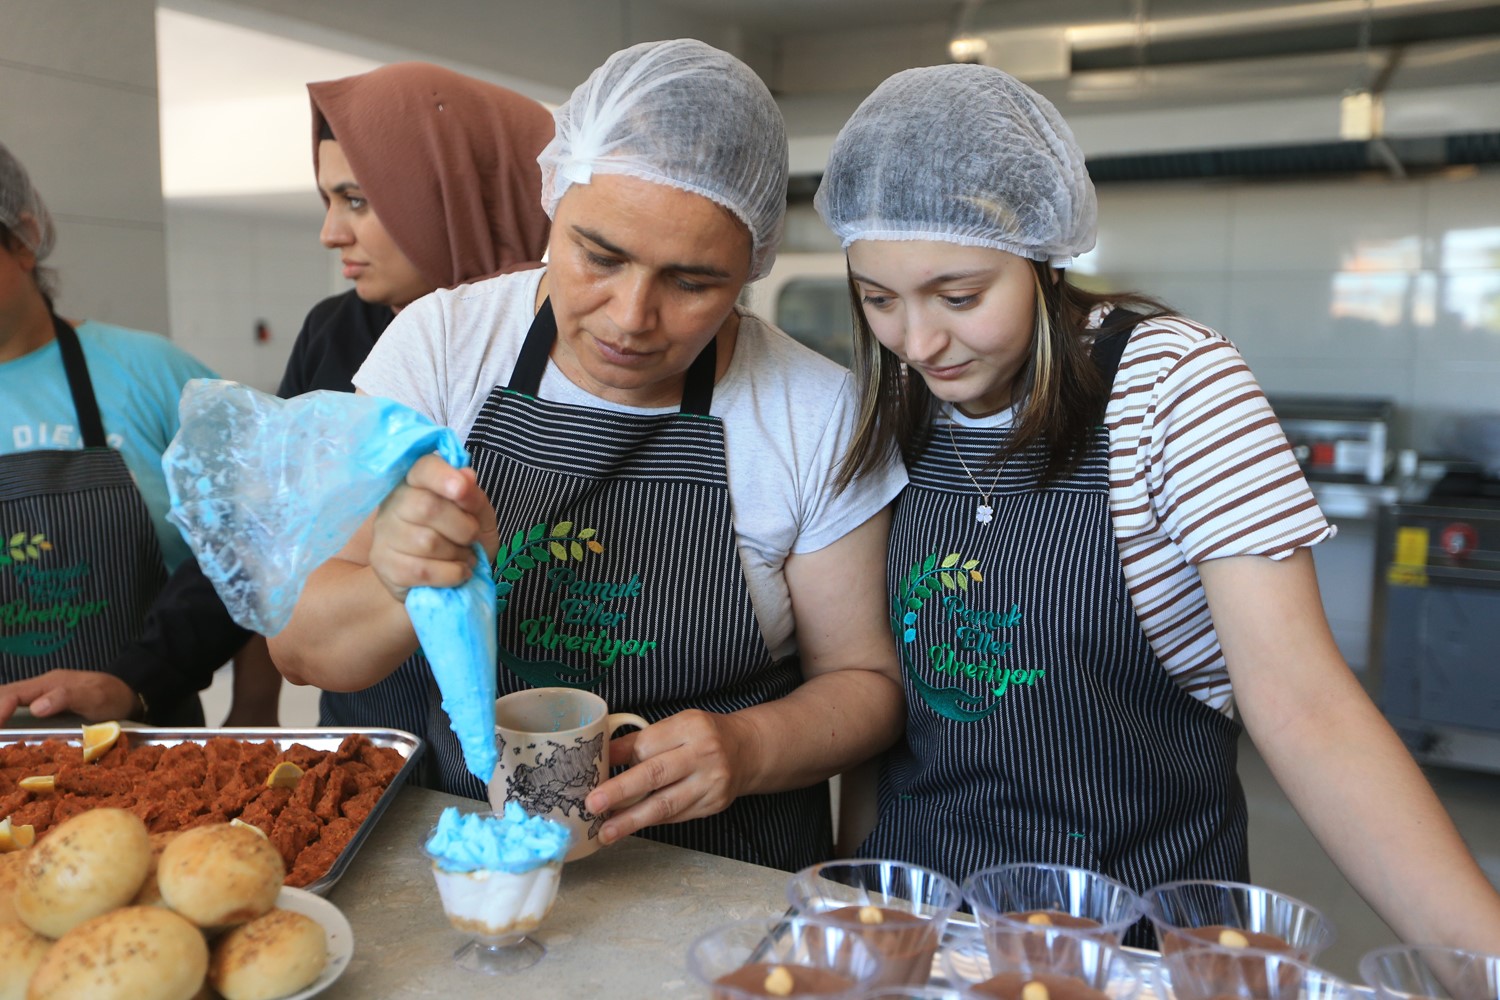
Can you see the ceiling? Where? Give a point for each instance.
(1117, 69)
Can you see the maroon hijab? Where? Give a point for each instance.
(448, 164)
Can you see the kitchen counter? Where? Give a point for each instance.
(620, 928)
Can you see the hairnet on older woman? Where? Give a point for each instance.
(960, 154)
(684, 114)
(22, 210)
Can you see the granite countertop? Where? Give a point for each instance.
(620, 928)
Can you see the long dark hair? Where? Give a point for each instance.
(1061, 393)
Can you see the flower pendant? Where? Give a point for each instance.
(984, 513)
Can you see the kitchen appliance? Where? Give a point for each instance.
(1345, 440)
(1436, 628)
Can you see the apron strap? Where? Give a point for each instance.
(526, 377)
(80, 385)
(1110, 347)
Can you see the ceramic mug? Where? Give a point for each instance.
(553, 747)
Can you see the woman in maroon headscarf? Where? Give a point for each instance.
(431, 181)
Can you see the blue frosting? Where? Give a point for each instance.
(516, 843)
(456, 627)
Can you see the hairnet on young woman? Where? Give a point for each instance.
(684, 114)
(20, 202)
(961, 154)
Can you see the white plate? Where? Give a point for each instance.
(340, 936)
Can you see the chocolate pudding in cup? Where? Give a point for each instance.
(497, 875)
(1058, 964)
(1012, 901)
(1235, 915)
(899, 909)
(1213, 972)
(783, 957)
(1401, 972)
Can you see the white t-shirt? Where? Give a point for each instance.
(1198, 469)
(788, 416)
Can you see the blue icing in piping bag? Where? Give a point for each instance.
(456, 626)
(266, 490)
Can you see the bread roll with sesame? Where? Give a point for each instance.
(272, 956)
(220, 875)
(21, 951)
(134, 953)
(150, 894)
(89, 865)
(10, 875)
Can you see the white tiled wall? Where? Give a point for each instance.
(1369, 287)
(231, 270)
(78, 79)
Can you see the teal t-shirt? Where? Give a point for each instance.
(137, 378)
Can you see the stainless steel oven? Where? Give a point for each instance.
(1436, 629)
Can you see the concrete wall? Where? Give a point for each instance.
(78, 79)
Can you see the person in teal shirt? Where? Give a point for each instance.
(137, 378)
(86, 411)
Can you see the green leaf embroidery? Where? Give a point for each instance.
(16, 539)
(562, 529)
(929, 562)
(576, 549)
(517, 540)
(951, 559)
(502, 588)
(558, 552)
(947, 579)
(511, 573)
(913, 604)
(970, 564)
(586, 534)
(963, 581)
(536, 533)
(33, 552)
(525, 562)
(540, 554)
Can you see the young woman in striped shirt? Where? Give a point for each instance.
(1101, 564)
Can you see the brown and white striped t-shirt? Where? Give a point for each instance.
(1198, 469)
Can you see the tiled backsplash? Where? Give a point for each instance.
(1360, 287)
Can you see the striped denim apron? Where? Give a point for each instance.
(1040, 724)
(629, 584)
(80, 563)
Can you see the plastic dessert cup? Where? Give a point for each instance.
(1237, 915)
(900, 909)
(1012, 900)
(1401, 972)
(1215, 972)
(498, 906)
(1060, 964)
(783, 957)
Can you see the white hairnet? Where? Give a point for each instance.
(962, 154)
(22, 210)
(684, 114)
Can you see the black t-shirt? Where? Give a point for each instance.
(188, 633)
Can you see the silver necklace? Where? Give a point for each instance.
(984, 513)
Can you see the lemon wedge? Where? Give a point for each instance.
(284, 775)
(248, 826)
(98, 738)
(38, 783)
(15, 838)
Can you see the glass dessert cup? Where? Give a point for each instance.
(900, 909)
(1216, 972)
(1402, 972)
(499, 909)
(1010, 900)
(1194, 912)
(1065, 964)
(735, 961)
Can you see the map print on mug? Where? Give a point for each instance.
(553, 745)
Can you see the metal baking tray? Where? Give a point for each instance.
(404, 743)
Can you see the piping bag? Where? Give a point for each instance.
(265, 490)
